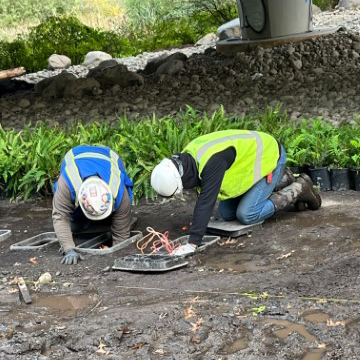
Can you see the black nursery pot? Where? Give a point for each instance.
(321, 177)
(355, 177)
(340, 179)
(300, 169)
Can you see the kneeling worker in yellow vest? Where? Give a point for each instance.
(93, 189)
(239, 167)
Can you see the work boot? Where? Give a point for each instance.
(314, 201)
(299, 191)
(287, 179)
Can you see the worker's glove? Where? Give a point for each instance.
(71, 257)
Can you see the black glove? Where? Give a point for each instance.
(71, 257)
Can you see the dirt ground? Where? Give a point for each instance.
(290, 290)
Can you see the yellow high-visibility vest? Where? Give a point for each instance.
(257, 155)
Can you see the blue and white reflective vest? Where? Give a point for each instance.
(84, 161)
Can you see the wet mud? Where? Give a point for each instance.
(289, 290)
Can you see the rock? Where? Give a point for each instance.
(118, 75)
(356, 46)
(296, 64)
(13, 86)
(209, 39)
(315, 9)
(24, 103)
(94, 58)
(53, 88)
(56, 61)
(229, 30)
(80, 87)
(170, 67)
(154, 64)
(102, 66)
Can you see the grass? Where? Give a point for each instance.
(30, 159)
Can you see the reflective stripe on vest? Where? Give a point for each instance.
(72, 170)
(259, 150)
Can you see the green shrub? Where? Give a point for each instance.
(13, 13)
(326, 4)
(60, 35)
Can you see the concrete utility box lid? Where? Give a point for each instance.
(149, 263)
(230, 228)
(4, 235)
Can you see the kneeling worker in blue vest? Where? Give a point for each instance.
(239, 167)
(93, 188)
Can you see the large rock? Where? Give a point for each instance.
(209, 39)
(229, 30)
(153, 64)
(94, 58)
(96, 71)
(81, 87)
(315, 9)
(348, 4)
(117, 75)
(56, 61)
(53, 88)
(170, 67)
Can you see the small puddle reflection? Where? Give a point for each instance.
(316, 318)
(237, 345)
(240, 262)
(290, 327)
(67, 305)
(314, 354)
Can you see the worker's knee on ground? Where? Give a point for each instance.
(226, 214)
(247, 217)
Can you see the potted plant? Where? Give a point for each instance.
(296, 153)
(339, 159)
(354, 155)
(318, 151)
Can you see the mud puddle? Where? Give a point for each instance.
(240, 262)
(316, 318)
(237, 345)
(64, 305)
(288, 327)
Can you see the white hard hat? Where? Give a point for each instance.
(166, 179)
(95, 198)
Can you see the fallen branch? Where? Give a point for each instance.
(10, 73)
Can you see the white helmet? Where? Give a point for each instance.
(95, 198)
(166, 179)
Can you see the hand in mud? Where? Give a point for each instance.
(71, 257)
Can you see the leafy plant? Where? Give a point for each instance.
(354, 153)
(339, 157)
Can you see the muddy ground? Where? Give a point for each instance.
(301, 271)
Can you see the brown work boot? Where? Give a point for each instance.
(287, 196)
(287, 179)
(299, 191)
(312, 198)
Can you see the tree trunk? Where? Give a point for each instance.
(10, 73)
